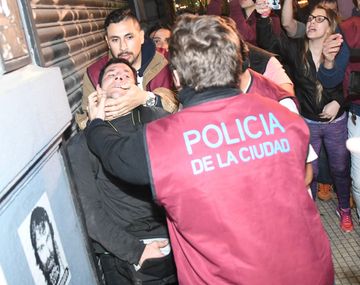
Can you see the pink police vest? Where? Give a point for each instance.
(230, 174)
(268, 88)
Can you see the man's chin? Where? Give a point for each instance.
(127, 58)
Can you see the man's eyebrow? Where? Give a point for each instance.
(114, 69)
(109, 70)
(119, 37)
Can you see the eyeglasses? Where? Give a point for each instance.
(318, 18)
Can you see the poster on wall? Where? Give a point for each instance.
(14, 51)
(42, 246)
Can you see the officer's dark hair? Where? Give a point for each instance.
(205, 51)
(118, 16)
(356, 4)
(116, 60)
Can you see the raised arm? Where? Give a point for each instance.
(266, 37)
(122, 156)
(247, 31)
(292, 27)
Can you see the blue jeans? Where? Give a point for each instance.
(333, 136)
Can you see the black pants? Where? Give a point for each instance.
(159, 271)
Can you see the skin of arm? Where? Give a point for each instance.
(309, 170)
(287, 18)
(308, 174)
(152, 250)
(130, 99)
(288, 87)
(276, 73)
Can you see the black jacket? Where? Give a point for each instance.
(105, 142)
(117, 213)
(304, 82)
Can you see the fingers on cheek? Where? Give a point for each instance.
(108, 109)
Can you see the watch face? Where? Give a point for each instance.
(151, 101)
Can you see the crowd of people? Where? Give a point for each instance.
(197, 159)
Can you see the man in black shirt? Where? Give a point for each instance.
(118, 218)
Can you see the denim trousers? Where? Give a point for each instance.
(333, 137)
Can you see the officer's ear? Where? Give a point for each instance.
(176, 79)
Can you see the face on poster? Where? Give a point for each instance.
(42, 246)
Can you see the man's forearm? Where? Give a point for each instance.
(122, 156)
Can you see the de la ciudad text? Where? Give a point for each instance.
(218, 136)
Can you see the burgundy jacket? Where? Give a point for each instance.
(223, 229)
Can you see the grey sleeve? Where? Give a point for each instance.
(300, 30)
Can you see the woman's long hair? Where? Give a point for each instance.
(334, 20)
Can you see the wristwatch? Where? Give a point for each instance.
(150, 99)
